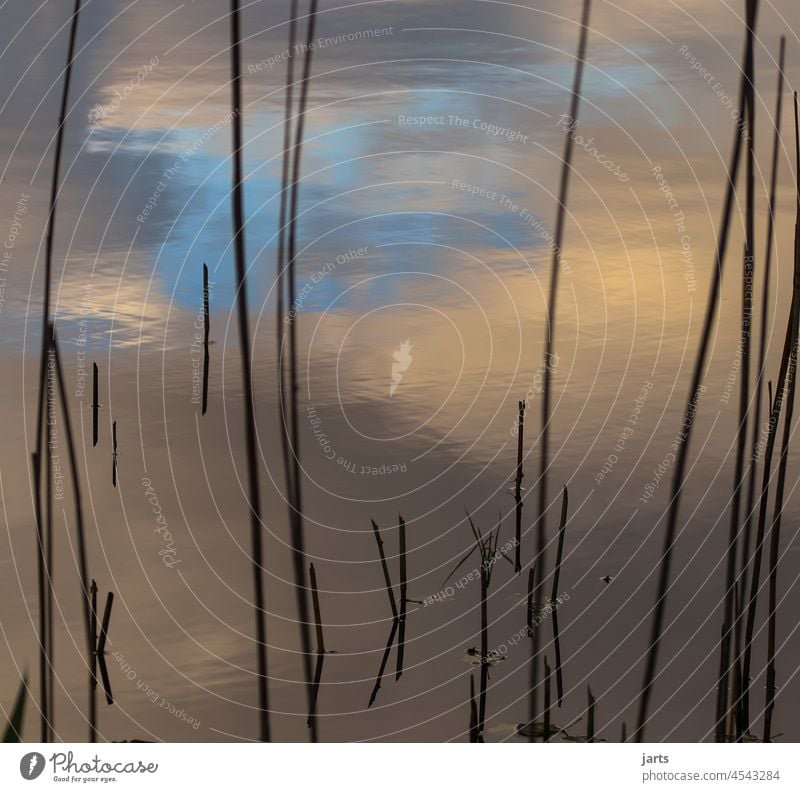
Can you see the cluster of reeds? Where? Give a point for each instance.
(733, 719)
(687, 425)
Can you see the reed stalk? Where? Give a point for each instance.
(554, 594)
(95, 404)
(295, 489)
(312, 712)
(744, 391)
(55, 184)
(395, 618)
(254, 495)
(550, 325)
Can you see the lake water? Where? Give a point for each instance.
(430, 172)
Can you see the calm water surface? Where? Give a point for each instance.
(430, 171)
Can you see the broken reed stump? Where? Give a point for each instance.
(95, 404)
(590, 715)
(114, 453)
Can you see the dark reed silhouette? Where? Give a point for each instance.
(518, 487)
(280, 286)
(748, 266)
(395, 615)
(775, 530)
(99, 652)
(312, 712)
(13, 730)
(114, 452)
(295, 490)
(762, 345)
(51, 441)
(590, 715)
(665, 566)
(254, 495)
(486, 545)
(562, 527)
(44, 649)
(95, 404)
(549, 343)
(42, 579)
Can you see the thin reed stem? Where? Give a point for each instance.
(550, 326)
(295, 490)
(744, 391)
(55, 184)
(254, 496)
(554, 594)
(312, 713)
